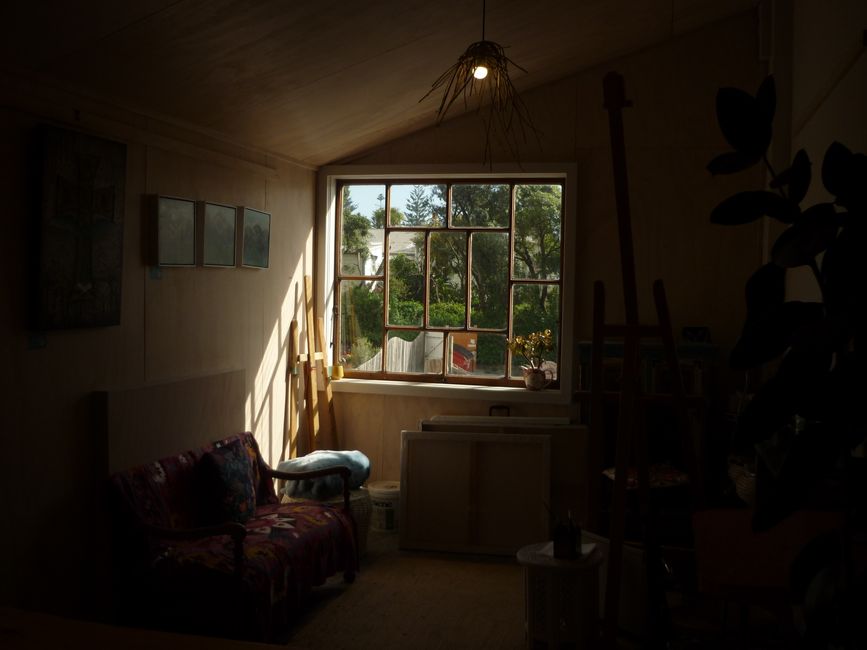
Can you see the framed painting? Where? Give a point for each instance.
(218, 228)
(176, 231)
(255, 238)
(79, 231)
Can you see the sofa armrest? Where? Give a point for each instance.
(342, 470)
(231, 528)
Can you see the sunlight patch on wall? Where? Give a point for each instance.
(266, 402)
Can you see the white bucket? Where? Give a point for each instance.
(385, 497)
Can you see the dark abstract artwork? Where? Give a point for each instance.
(256, 239)
(80, 235)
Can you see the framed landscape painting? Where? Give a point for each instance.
(219, 225)
(256, 238)
(176, 231)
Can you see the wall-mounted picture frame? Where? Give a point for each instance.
(218, 226)
(176, 231)
(77, 238)
(255, 238)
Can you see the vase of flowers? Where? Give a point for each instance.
(532, 348)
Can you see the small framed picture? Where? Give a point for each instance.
(176, 231)
(255, 238)
(219, 225)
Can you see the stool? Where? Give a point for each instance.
(561, 597)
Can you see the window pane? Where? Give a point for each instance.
(490, 276)
(420, 205)
(361, 327)
(406, 277)
(536, 308)
(480, 205)
(417, 352)
(477, 354)
(537, 231)
(448, 277)
(361, 245)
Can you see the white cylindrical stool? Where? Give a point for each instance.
(561, 597)
(385, 497)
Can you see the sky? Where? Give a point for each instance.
(365, 197)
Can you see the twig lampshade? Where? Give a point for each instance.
(481, 74)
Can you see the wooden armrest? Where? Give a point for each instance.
(232, 528)
(342, 470)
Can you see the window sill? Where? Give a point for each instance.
(449, 391)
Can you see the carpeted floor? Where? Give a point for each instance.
(417, 600)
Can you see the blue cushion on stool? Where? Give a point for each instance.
(325, 487)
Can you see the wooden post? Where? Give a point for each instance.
(290, 436)
(631, 431)
(329, 397)
(311, 387)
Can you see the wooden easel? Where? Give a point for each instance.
(630, 429)
(316, 352)
(290, 432)
(308, 362)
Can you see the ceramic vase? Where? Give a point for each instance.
(536, 378)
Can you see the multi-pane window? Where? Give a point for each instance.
(434, 276)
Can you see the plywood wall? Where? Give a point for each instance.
(829, 95)
(175, 324)
(671, 134)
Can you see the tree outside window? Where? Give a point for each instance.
(465, 265)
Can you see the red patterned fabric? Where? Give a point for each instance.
(228, 483)
(289, 548)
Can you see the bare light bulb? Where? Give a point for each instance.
(480, 72)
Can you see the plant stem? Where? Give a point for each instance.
(814, 267)
(773, 174)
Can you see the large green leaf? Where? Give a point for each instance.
(803, 241)
(844, 175)
(765, 289)
(732, 162)
(798, 387)
(836, 168)
(746, 207)
(842, 268)
(771, 408)
(768, 335)
(743, 121)
(796, 178)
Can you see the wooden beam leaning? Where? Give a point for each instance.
(290, 436)
(311, 388)
(329, 397)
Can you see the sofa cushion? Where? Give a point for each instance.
(228, 483)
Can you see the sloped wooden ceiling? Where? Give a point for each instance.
(314, 80)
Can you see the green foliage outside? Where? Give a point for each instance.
(378, 218)
(537, 256)
(356, 235)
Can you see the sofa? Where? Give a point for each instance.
(203, 545)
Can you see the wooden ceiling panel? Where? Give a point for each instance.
(316, 80)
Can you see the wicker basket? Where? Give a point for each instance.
(361, 507)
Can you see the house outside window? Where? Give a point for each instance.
(433, 275)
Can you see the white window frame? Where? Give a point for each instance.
(324, 247)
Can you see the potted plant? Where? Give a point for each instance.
(805, 418)
(532, 348)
